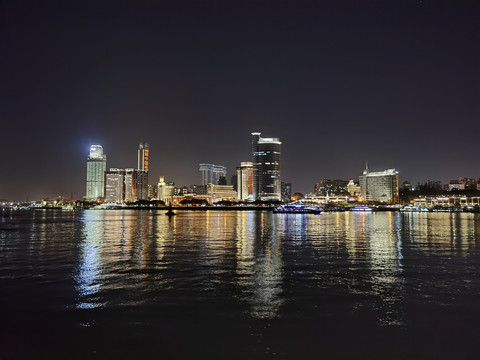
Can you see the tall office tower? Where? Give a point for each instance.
(379, 186)
(114, 186)
(143, 154)
(266, 153)
(130, 185)
(142, 184)
(142, 171)
(96, 166)
(245, 181)
(212, 174)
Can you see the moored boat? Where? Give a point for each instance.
(362, 208)
(297, 207)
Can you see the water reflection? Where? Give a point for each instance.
(88, 273)
(260, 266)
(261, 260)
(441, 232)
(385, 253)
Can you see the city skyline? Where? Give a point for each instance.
(339, 83)
(98, 154)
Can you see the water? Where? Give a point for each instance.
(238, 284)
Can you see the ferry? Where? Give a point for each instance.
(362, 209)
(297, 207)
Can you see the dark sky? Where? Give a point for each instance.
(339, 82)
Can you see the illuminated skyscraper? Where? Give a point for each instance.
(379, 186)
(142, 184)
(142, 171)
(114, 185)
(96, 166)
(130, 185)
(143, 153)
(266, 152)
(245, 181)
(212, 174)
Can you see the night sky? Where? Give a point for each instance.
(339, 82)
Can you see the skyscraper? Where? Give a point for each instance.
(114, 185)
(212, 174)
(379, 186)
(143, 153)
(266, 154)
(130, 185)
(245, 181)
(142, 184)
(96, 166)
(142, 171)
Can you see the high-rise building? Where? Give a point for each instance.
(142, 171)
(143, 156)
(114, 186)
(379, 186)
(245, 181)
(266, 154)
(212, 174)
(141, 184)
(130, 185)
(96, 166)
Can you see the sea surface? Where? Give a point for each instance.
(130, 284)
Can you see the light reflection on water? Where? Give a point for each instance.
(88, 274)
(243, 265)
(205, 250)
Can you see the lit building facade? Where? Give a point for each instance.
(152, 191)
(130, 185)
(221, 192)
(143, 156)
(142, 184)
(165, 192)
(245, 181)
(353, 189)
(379, 186)
(142, 171)
(266, 153)
(212, 174)
(114, 186)
(96, 166)
(331, 187)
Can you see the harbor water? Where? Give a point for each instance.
(129, 284)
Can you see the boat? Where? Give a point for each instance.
(362, 208)
(297, 207)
